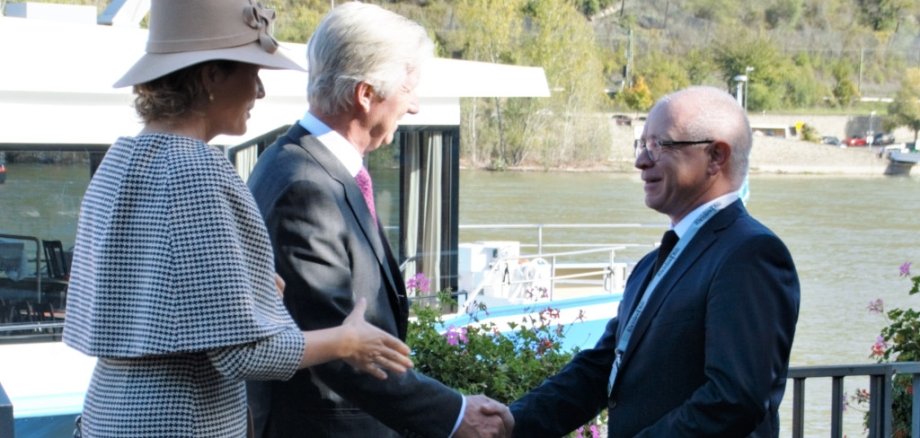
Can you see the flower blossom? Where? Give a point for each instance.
(419, 283)
(905, 269)
(879, 347)
(876, 306)
(456, 336)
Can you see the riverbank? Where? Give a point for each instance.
(776, 155)
(770, 155)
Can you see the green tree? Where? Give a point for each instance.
(882, 15)
(904, 110)
(766, 78)
(488, 30)
(663, 74)
(563, 42)
(638, 97)
(784, 13)
(297, 19)
(845, 91)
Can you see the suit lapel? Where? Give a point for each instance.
(704, 239)
(353, 197)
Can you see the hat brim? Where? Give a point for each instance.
(155, 65)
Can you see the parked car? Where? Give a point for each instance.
(854, 141)
(882, 139)
(831, 140)
(622, 120)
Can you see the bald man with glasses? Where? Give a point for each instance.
(700, 345)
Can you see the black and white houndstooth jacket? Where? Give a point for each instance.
(172, 288)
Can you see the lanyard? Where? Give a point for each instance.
(665, 267)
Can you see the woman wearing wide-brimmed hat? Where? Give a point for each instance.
(173, 285)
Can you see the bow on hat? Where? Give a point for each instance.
(260, 18)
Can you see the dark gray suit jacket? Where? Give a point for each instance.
(329, 250)
(708, 357)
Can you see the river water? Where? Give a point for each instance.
(847, 235)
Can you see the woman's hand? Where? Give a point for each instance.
(369, 349)
(279, 284)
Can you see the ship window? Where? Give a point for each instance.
(41, 188)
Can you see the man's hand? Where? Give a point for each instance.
(485, 418)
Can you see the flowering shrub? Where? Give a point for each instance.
(899, 341)
(481, 359)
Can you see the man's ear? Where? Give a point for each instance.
(719, 156)
(364, 96)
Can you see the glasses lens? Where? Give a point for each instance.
(643, 146)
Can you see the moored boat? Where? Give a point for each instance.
(901, 162)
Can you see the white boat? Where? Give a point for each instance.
(510, 282)
(901, 161)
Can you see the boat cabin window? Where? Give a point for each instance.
(417, 195)
(41, 187)
(416, 186)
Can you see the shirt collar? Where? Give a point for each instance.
(346, 152)
(721, 202)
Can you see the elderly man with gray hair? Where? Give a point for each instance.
(316, 198)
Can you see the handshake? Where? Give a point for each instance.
(485, 417)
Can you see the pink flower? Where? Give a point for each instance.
(905, 269)
(876, 306)
(419, 283)
(879, 347)
(456, 336)
(594, 432)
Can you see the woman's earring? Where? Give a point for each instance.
(210, 97)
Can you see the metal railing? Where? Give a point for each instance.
(881, 395)
(575, 260)
(540, 229)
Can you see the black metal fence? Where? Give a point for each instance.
(881, 395)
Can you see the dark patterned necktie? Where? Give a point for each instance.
(367, 189)
(667, 244)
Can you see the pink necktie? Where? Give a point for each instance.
(367, 189)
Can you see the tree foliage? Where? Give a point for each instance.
(904, 110)
(804, 53)
(550, 132)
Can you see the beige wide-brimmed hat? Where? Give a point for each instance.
(186, 32)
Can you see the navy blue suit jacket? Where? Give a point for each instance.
(709, 355)
(329, 250)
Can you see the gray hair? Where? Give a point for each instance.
(710, 112)
(359, 42)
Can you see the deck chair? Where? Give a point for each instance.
(55, 259)
(55, 292)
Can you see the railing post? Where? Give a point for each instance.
(539, 238)
(798, 407)
(552, 276)
(877, 399)
(915, 407)
(837, 407)
(6, 415)
(888, 400)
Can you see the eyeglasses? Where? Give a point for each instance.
(653, 149)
